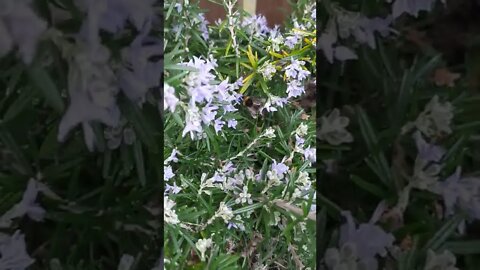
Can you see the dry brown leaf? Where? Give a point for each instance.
(296, 258)
(443, 77)
(304, 116)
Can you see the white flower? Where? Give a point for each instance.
(304, 179)
(425, 174)
(249, 174)
(436, 118)
(13, 252)
(273, 180)
(332, 129)
(205, 183)
(169, 214)
(91, 91)
(244, 196)
(27, 206)
(267, 70)
(276, 39)
(302, 130)
(444, 261)
(202, 245)
(224, 212)
(269, 133)
(169, 100)
(193, 121)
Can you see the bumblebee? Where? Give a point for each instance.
(254, 105)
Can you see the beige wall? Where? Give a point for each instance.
(274, 10)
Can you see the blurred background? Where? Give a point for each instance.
(276, 11)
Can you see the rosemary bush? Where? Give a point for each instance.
(240, 189)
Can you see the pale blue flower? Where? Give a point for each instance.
(325, 43)
(232, 123)
(172, 189)
(229, 167)
(369, 239)
(114, 17)
(19, 25)
(299, 141)
(310, 154)
(363, 28)
(303, 74)
(13, 252)
(167, 173)
(460, 193)
(238, 226)
(428, 152)
(279, 168)
(172, 157)
(208, 113)
(294, 67)
(139, 74)
(256, 25)
(295, 89)
(169, 99)
(83, 111)
(203, 26)
(229, 108)
(292, 40)
(218, 125)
